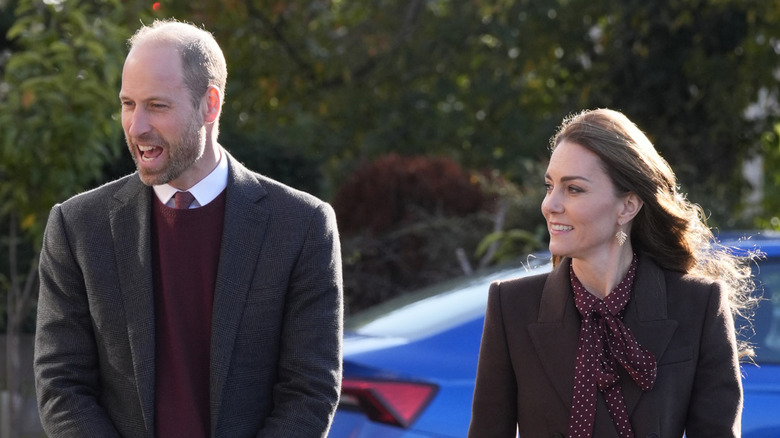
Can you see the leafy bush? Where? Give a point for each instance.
(407, 222)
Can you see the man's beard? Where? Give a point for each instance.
(181, 154)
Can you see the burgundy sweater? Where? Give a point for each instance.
(185, 253)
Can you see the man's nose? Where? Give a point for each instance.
(139, 123)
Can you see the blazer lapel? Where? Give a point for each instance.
(131, 236)
(646, 317)
(556, 333)
(242, 239)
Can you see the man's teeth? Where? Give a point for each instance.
(144, 150)
(562, 227)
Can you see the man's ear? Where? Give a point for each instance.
(212, 104)
(631, 206)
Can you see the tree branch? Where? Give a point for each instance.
(408, 25)
(279, 36)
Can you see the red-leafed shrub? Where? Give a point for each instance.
(397, 190)
(402, 220)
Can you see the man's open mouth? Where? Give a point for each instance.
(149, 153)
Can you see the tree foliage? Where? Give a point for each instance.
(334, 84)
(770, 216)
(317, 88)
(58, 111)
(59, 107)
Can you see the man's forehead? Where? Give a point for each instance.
(155, 52)
(150, 67)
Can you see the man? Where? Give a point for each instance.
(161, 320)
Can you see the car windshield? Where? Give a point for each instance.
(436, 308)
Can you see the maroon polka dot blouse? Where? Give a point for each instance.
(604, 343)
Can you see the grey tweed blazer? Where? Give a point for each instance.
(277, 314)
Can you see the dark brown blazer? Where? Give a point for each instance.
(277, 315)
(525, 375)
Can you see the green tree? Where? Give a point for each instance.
(59, 112)
(333, 84)
(769, 218)
(686, 71)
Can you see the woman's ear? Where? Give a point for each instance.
(631, 206)
(213, 104)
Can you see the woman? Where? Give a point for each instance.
(632, 333)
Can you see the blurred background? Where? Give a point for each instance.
(426, 123)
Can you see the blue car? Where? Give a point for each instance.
(410, 363)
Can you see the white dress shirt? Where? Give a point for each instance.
(205, 191)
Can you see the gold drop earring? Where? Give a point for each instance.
(620, 235)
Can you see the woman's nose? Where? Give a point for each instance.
(551, 203)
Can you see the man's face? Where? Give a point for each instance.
(166, 135)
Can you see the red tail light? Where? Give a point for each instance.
(387, 401)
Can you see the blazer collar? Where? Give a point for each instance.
(555, 334)
(246, 220)
(130, 219)
(646, 315)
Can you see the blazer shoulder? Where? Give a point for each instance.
(688, 295)
(281, 191)
(99, 198)
(523, 282)
(679, 282)
(520, 286)
(283, 195)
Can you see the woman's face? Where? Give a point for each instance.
(580, 207)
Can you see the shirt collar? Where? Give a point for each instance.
(205, 191)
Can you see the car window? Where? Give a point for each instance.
(766, 321)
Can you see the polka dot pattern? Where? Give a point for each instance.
(605, 342)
